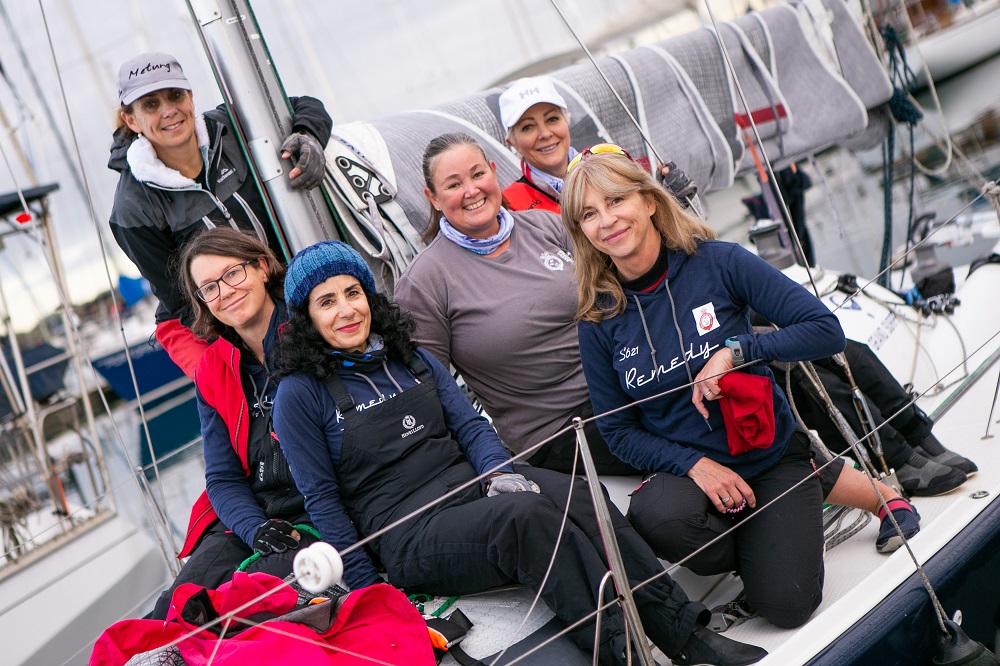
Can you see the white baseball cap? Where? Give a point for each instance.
(149, 72)
(524, 94)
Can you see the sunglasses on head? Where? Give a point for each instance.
(595, 150)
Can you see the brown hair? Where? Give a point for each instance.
(226, 242)
(616, 175)
(436, 147)
(121, 127)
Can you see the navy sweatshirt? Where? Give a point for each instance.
(713, 291)
(309, 429)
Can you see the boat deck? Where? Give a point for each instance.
(858, 578)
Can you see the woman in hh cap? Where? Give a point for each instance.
(375, 428)
(182, 173)
(536, 118)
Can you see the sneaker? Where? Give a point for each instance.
(926, 478)
(707, 648)
(934, 451)
(906, 515)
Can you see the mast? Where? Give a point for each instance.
(262, 116)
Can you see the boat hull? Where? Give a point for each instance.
(66, 596)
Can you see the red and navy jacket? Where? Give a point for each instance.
(256, 484)
(523, 195)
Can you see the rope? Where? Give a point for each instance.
(160, 522)
(836, 535)
(903, 111)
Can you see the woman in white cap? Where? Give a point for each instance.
(536, 119)
(375, 430)
(183, 172)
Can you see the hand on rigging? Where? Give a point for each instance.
(308, 160)
(677, 182)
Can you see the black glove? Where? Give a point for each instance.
(677, 183)
(307, 155)
(275, 536)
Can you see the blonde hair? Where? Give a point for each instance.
(599, 293)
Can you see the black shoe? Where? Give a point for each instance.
(933, 450)
(889, 540)
(707, 648)
(926, 478)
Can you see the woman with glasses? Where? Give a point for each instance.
(182, 173)
(663, 310)
(536, 119)
(250, 507)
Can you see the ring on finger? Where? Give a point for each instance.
(726, 500)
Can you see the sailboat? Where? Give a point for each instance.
(944, 37)
(811, 81)
(71, 562)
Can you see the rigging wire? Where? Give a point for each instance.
(157, 507)
(760, 145)
(693, 201)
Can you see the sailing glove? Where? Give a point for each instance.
(275, 536)
(677, 183)
(510, 483)
(307, 155)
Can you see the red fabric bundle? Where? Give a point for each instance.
(376, 624)
(747, 405)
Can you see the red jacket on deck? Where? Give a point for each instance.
(376, 624)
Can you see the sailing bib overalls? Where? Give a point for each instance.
(398, 456)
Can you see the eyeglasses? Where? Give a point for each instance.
(596, 149)
(233, 277)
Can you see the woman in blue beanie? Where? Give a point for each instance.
(375, 428)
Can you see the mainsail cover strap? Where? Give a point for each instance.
(363, 193)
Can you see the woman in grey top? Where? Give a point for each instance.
(494, 295)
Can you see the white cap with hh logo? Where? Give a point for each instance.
(524, 94)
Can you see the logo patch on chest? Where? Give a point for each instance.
(557, 261)
(705, 319)
(410, 423)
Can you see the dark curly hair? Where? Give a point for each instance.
(303, 349)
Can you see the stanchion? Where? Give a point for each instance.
(607, 530)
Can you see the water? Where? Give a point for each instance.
(845, 207)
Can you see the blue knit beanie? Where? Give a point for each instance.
(317, 263)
